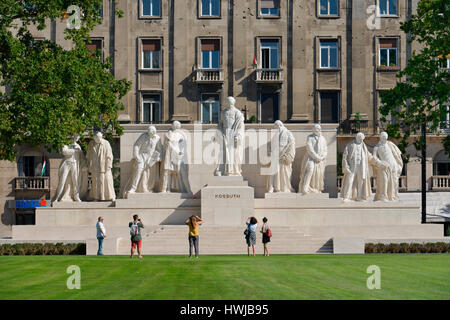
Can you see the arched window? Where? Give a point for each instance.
(441, 164)
(33, 164)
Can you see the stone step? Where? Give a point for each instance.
(380, 231)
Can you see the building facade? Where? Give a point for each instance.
(298, 61)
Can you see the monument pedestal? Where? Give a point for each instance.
(299, 196)
(227, 201)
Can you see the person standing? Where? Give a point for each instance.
(136, 238)
(101, 235)
(250, 238)
(193, 222)
(265, 236)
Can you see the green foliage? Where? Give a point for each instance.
(422, 93)
(38, 249)
(430, 247)
(253, 119)
(53, 93)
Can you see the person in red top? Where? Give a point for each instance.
(136, 238)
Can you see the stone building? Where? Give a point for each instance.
(299, 61)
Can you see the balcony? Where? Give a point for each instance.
(209, 76)
(32, 183)
(269, 76)
(440, 183)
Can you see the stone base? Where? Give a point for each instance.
(227, 201)
(227, 181)
(293, 195)
(157, 200)
(348, 245)
(82, 205)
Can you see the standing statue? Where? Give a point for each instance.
(388, 167)
(231, 139)
(313, 164)
(174, 167)
(355, 165)
(72, 173)
(100, 160)
(147, 153)
(280, 181)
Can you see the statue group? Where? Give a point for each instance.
(387, 162)
(163, 167)
(74, 169)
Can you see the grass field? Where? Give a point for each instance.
(227, 277)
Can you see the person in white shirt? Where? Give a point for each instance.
(250, 236)
(101, 235)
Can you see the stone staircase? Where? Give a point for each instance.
(173, 240)
(438, 204)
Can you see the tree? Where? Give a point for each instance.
(422, 96)
(53, 93)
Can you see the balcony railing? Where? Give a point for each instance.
(402, 183)
(269, 75)
(32, 183)
(440, 183)
(209, 75)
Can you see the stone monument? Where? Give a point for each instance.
(73, 181)
(280, 181)
(388, 165)
(100, 161)
(174, 164)
(355, 166)
(312, 171)
(231, 138)
(147, 154)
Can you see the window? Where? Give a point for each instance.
(210, 53)
(151, 8)
(270, 110)
(32, 165)
(446, 63)
(100, 10)
(387, 7)
(441, 164)
(328, 53)
(388, 53)
(329, 107)
(210, 108)
(269, 7)
(151, 54)
(151, 108)
(269, 54)
(96, 44)
(210, 8)
(328, 7)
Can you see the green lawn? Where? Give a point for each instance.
(227, 277)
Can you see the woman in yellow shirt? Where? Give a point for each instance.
(193, 222)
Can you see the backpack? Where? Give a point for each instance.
(134, 229)
(268, 232)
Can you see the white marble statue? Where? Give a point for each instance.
(100, 161)
(281, 180)
(355, 166)
(147, 154)
(231, 139)
(313, 164)
(388, 165)
(174, 166)
(73, 182)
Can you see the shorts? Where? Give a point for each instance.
(136, 243)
